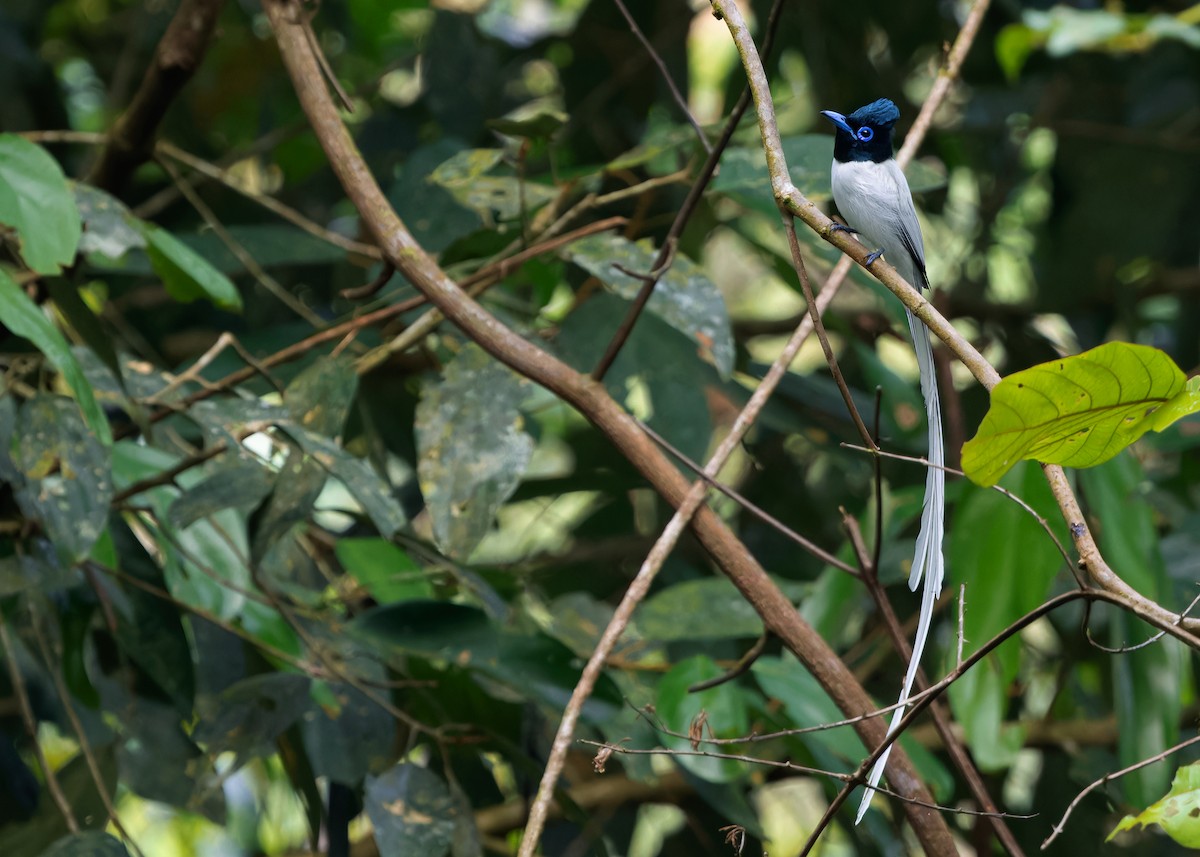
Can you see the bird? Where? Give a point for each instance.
(873, 196)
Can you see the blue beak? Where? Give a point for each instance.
(839, 120)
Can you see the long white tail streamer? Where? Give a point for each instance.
(928, 562)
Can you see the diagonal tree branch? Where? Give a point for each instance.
(589, 397)
(789, 195)
(178, 55)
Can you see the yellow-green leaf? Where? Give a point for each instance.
(1178, 812)
(1079, 411)
(36, 201)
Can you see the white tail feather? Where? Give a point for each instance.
(928, 563)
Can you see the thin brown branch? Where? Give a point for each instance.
(747, 504)
(680, 101)
(178, 55)
(690, 203)
(590, 399)
(1157, 757)
(788, 195)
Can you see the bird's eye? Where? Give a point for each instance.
(865, 134)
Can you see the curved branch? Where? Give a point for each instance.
(788, 195)
(589, 397)
(178, 55)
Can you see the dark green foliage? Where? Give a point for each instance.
(367, 587)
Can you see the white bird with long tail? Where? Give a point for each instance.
(873, 196)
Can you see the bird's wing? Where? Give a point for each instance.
(907, 227)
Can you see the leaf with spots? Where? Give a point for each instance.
(1177, 813)
(684, 298)
(1079, 411)
(415, 814)
(64, 474)
(473, 448)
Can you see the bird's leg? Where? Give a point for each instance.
(841, 227)
(870, 260)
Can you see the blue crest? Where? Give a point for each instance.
(881, 114)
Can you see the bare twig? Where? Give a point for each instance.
(684, 214)
(680, 101)
(1157, 757)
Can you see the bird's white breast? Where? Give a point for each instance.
(875, 200)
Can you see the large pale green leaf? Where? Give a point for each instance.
(684, 297)
(473, 447)
(22, 316)
(1177, 812)
(111, 230)
(187, 275)
(1007, 563)
(36, 201)
(66, 481)
(1079, 411)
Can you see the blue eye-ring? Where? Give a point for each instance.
(865, 134)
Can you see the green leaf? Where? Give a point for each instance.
(414, 813)
(343, 742)
(685, 297)
(1014, 44)
(657, 360)
(386, 572)
(66, 481)
(36, 201)
(472, 445)
(1150, 684)
(22, 316)
(1078, 411)
(706, 609)
(993, 543)
(187, 275)
(110, 229)
(93, 843)
(785, 678)
(1177, 812)
(539, 125)
(248, 717)
(364, 484)
(726, 716)
(238, 484)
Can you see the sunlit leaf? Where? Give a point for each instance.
(1177, 812)
(684, 297)
(1078, 411)
(22, 316)
(473, 447)
(36, 201)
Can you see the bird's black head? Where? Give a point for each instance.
(866, 134)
